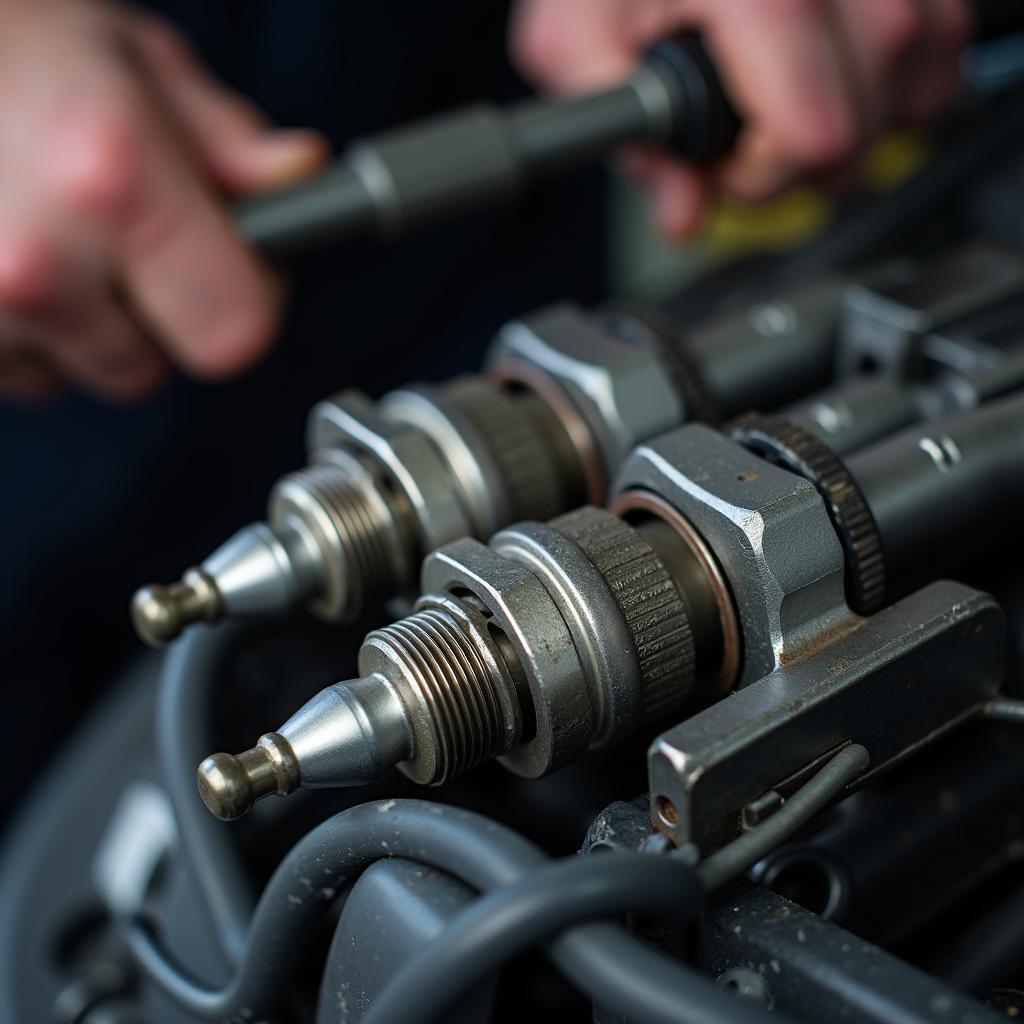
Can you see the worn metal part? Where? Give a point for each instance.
(819, 971)
(601, 636)
(450, 417)
(784, 443)
(718, 644)
(892, 682)
(457, 692)
(622, 392)
(567, 395)
(538, 477)
(332, 539)
(630, 649)
(648, 601)
(388, 482)
(769, 532)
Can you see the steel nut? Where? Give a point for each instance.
(767, 528)
(410, 460)
(624, 394)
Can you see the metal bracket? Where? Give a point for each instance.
(893, 683)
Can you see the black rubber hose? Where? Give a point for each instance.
(505, 923)
(191, 668)
(617, 970)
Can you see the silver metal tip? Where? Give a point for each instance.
(230, 784)
(160, 613)
(224, 786)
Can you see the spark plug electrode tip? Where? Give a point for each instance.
(230, 784)
(160, 613)
(224, 786)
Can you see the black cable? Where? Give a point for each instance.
(617, 970)
(731, 861)
(505, 923)
(191, 669)
(500, 926)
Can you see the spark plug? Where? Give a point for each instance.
(725, 557)
(565, 396)
(554, 639)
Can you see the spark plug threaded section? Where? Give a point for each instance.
(458, 693)
(354, 529)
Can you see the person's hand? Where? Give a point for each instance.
(814, 80)
(117, 254)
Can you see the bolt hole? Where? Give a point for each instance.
(810, 878)
(667, 811)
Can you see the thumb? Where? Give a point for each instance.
(229, 135)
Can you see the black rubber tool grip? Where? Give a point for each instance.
(466, 160)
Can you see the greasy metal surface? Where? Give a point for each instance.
(625, 394)
(786, 444)
(818, 970)
(649, 600)
(891, 683)
(720, 675)
(768, 530)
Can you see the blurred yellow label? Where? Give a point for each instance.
(801, 212)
